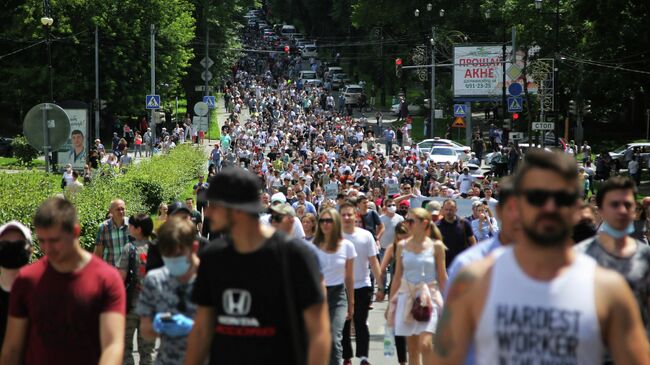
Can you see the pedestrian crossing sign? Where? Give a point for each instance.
(459, 110)
(209, 100)
(515, 104)
(459, 122)
(152, 102)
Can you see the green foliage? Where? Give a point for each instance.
(23, 151)
(143, 187)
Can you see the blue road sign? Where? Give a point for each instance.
(515, 89)
(460, 110)
(152, 102)
(209, 99)
(515, 104)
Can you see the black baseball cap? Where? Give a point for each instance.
(177, 207)
(236, 188)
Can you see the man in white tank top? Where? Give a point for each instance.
(539, 302)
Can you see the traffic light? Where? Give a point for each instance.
(398, 67)
(573, 109)
(515, 117)
(286, 49)
(586, 110)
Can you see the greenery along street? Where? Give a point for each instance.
(143, 187)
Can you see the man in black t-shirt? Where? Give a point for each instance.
(16, 248)
(260, 295)
(456, 232)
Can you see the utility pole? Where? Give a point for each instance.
(433, 82)
(504, 105)
(556, 72)
(97, 102)
(383, 64)
(153, 79)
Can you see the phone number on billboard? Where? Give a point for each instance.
(479, 85)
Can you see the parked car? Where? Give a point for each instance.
(352, 94)
(313, 82)
(338, 80)
(287, 30)
(443, 155)
(331, 71)
(309, 51)
(618, 154)
(307, 75)
(5, 147)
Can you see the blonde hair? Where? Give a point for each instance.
(337, 234)
(434, 232)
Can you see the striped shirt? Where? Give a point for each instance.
(113, 239)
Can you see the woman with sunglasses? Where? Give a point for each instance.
(420, 276)
(336, 256)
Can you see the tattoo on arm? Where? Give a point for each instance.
(444, 339)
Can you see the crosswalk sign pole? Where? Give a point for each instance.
(153, 80)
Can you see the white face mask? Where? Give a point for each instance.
(392, 209)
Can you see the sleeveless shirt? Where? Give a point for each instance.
(526, 321)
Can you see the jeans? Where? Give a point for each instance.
(362, 297)
(389, 147)
(145, 347)
(338, 308)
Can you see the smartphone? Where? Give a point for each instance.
(166, 317)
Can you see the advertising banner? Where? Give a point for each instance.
(75, 150)
(478, 71)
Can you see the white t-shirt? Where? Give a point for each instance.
(365, 246)
(465, 183)
(389, 228)
(333, 264)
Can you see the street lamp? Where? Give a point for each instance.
(47, 22)
(488, 15)
(556, 69)
(416, 13)
(432, 41)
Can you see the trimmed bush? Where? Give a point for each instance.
(143, 187)
(23, 151)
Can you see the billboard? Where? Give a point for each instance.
(74, 151)
(478, 71)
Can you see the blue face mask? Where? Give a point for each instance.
(615, 233)
(177, 266)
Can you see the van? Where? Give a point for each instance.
(331, 71)
(287, 30)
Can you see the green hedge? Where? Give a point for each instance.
(143, 187)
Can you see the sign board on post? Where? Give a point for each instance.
(152, 102)
(515, 104)
(459, 122)
(393, 189)
(331, 190)
(201, 123)
(478, 71)
(544, 126)
(201, 109)
(459, 110)
(74, 151)
(209, 100)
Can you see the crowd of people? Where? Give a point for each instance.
(303, 222)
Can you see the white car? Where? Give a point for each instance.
(618, 155)
(443, 155)
(313, 82)
(412, 107)
(307, 75)
(352, 94)
(339, 80)
(309, 51)
(427, 144)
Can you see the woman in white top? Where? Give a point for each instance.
(420, 275)
(336, 256)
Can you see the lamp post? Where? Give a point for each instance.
(556, 69)
(432, 41)
(488, 15)
(47, 22)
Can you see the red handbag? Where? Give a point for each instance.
(419, 312)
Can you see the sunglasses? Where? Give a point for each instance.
(326, 220)
(539, 197)
(277, 218)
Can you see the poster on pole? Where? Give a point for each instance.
(331, 190)
(393, 189)
(75, 150)
(478, 71)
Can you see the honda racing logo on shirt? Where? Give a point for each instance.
(237, 302)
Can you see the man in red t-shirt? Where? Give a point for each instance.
(68, 307)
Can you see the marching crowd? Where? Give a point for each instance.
(304, 221)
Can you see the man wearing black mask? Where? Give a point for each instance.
(585, 224)
(15, 251)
